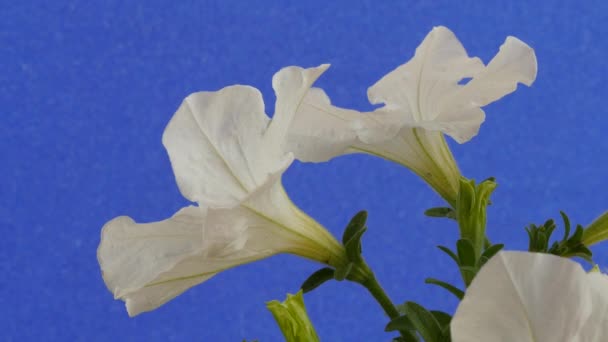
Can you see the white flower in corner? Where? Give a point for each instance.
(422, 99)
(228, 156)
(532, 297)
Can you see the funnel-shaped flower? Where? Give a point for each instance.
(423, 99)
(228, 156)
(531, 297)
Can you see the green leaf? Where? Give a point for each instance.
(531, 238)
(450, 253)
(542, 242)
(578, 233)
(566, 225)
(356, 224)
(443, 318)
(403, 324)
(316, 279)
(451, 288)
(292, 318)
(399, 323)
(445, 212)
(407, 336)
(424, 322)
(353, 246)
(480, 262)
(583, 255)
(549, 228)
(342, 272)
(468, 273)
(492, 250)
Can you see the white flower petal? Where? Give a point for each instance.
(321, 131)
(426, 153)
(520, 296)
(132, 256)
(316, 133)
(460, 115)
(147, 265)
(422, 99)
(459, 123)
(222, 145)
(416, 88)
(291, 85)
(427, 93)
(596, 327)
(308, 238)
(214, 141)
(228, 155)
(514, 63)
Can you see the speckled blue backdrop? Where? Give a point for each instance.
(86, 89)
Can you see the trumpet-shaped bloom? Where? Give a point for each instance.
(531, 297)
(423, 99)
(228, 156)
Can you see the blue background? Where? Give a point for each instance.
(86, 90)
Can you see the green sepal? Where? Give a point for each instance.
(316, 279)
(466, 252)
(467, 261)
(451, 288)
(445, 212)
(466, 198)
(540, 236)
(356, 224)
(353, 246)
(342, 272)
(473, 200)
(569, 246)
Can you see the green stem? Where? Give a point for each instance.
(363, 275)
(372, 285)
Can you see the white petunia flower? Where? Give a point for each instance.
(533, 297)
(228, 156)
(422, 99)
